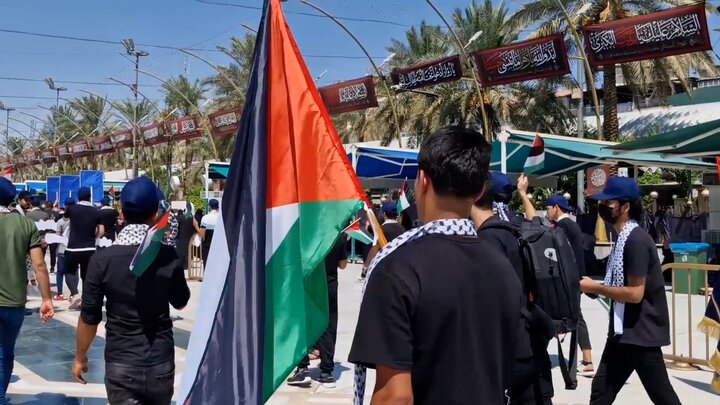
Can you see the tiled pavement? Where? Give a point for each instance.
(45, 353)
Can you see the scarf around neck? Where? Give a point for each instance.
(502, 211)
(615, 274)
(132, 234)
(450, 227)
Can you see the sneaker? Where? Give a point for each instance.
(327, 380)
(586, 369)
(75, 304)
(301, 377)
(58, 297)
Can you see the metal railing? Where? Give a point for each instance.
(196, 270)
(689, 361)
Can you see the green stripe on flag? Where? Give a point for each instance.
(296, 300)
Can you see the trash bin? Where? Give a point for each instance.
(689, 253)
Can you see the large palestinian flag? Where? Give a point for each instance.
(291, 188)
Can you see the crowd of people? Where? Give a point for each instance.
(459, 309)
(455, 312)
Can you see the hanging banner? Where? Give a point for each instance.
(428, 74)
(596, 178)
(227, 122)
(48, 155)
(102, 145)
(63, 153)
(648, 36)
(18, 161)
(80, 149)
(183, 129)
(350, 95)
(521, 61)
(122, 139)
(31, 158)
(153, 134)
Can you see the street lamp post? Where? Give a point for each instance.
(7, 123)
(381, 76)
(51, 84)
(129, 45)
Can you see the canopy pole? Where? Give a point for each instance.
(207, 189)
(580, 135)
(635, 172)
(503, 138)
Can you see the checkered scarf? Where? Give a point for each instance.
(4, 209)
(615, 276)
(457, 227)
(502, 211)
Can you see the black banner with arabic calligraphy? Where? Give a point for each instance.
(428, 74)
(350, 95)
(648, 36)
(527, 60)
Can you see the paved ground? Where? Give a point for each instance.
(45, 353)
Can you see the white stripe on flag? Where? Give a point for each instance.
(210, 294)
(533, 161)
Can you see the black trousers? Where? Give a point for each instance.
(326, 343)
(131, 385)
(583, 334)
(53, 255)
(73, 261)
(618, 362)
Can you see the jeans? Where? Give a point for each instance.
(326, 343)
(619, 360)
(133, 385)
(60, 272)
(11, 319)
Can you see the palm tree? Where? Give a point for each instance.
(547, 17)
(180, 93)
(90, 112)
(238, 73)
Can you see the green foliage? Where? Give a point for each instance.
(650, 178)
(192, 194)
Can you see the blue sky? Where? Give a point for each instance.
(178, 23)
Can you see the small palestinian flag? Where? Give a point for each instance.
(8, 173)
(111, 193)
(402, 202)
(536, 158)
(356, 232)
(150, 246)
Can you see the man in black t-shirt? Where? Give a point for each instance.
(108, 218)
(139, 344)
(557, 210)
(336, 258)
(85, 228)
(639, 324)
(532, 372)
(391, 229)
(439, 316)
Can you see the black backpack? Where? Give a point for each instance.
(552, 282)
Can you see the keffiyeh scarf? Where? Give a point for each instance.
(710, 325)
(4, 210)
(615, 274)
(456, 227)
(132, 234)
(502, 211)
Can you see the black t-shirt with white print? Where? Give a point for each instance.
(646, 323)
(445, 308)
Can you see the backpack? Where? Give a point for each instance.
(552, 282)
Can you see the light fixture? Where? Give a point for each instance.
(473, 38)
(654, 195)
(705, 193)
(50, 83)
(129, 45)
(567, 196)
(584, 8)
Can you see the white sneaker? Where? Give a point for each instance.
(75, 305)
(586, 370)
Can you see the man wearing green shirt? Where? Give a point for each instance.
(19, 236)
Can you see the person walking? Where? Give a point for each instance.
(85, 228)
(532, 373)
(108, 218)
(334, 260)
(206, 228)
(19, 236)
(558, 209)
(63, 230)
(438, 327)
(391, 229)
(639, 326)
(139, 348)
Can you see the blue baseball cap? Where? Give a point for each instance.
(390, 208)
(501, 183)
(213, 204)
(619, 188)
(84, 194)
(140, 196)
(7, 191)
(558, 200)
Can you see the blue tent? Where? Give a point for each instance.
(93, 179)
(53, 188)
(20, 187)
(384, 163)
(69, 186)
(36, 187)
